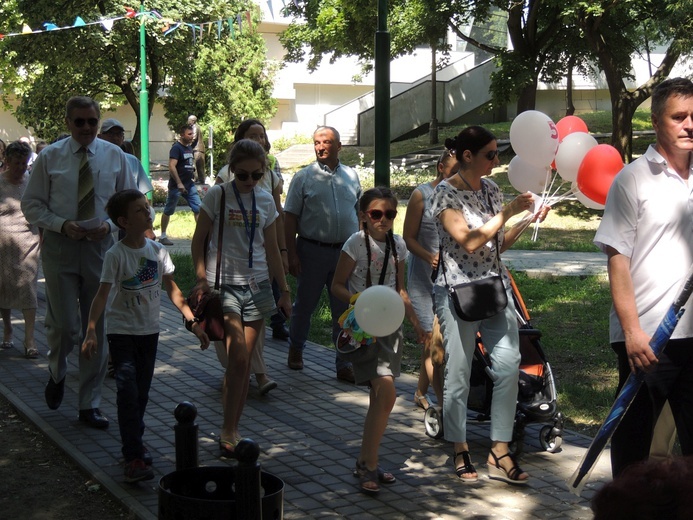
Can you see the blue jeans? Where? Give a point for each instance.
(317, 270)
(133, 359)
(501, 340)
(192, 197)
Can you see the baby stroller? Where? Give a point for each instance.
(536, 399)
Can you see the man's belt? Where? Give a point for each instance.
(333, 245)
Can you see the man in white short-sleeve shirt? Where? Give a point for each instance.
(647, 234)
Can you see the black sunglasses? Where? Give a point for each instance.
(491, 154)
(244, 176)
(80, 121)
(377, 214)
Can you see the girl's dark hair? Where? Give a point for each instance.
(245, 126)
(247, 149)
(117, 205)
(379, 193)
(472, 138)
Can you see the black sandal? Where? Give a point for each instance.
(384, 477)
(467, 468)
(366, 476)
(497, 472)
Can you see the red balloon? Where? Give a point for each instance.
(568, 125)
(597, 171)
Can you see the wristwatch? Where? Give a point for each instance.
(189, 323)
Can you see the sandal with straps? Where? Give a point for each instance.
(228, 448)
(367, 476)
(422, 401)
(466, 469)
(30, 352)
(497, 472)
(384, 477)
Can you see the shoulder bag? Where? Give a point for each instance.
(207, 307)
(479, 299)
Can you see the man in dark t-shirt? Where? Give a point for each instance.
(181, 166)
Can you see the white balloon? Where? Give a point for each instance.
(534, 137)
(586, 201)
(524, 176)
(379, 310)
(571, 152)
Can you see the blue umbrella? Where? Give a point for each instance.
(630, 388)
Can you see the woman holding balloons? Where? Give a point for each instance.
(471, 221)
(375, 255)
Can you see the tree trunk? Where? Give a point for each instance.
(528, 97)
(569, 105)
(433, 127)
(622, 125)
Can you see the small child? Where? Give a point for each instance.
(135, 267)
(364, 258)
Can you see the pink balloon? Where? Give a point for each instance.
(568, 125)
(597, 171)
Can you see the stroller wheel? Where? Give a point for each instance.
(549, 442)
(433, 421)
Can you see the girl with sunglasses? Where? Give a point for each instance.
(471, 218)
(375, 255)
(251, 259)
(272, 183)
(421, 237)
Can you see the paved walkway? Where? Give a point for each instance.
(308, 430)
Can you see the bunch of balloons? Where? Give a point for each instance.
(542, 145)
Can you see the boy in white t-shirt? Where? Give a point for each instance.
(134, 269)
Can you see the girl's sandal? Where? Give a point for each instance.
(7, 344)
(467, 469)
(228, 448)
(368, 479)
(498, 472)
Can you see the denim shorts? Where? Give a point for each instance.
(239, 299)
(192, 197)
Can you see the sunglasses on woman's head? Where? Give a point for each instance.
(244, 176)
(80, 121)
(491, 154)
(377, 214)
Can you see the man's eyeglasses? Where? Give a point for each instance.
(377, 214)
(244, 176)
(79, 122)
(491, 154)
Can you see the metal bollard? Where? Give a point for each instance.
(248, 489)
(186, 435)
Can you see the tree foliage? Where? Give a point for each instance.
(44, 69)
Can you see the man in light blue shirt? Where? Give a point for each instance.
(321, 212)
(74, 245)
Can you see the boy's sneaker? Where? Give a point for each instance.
(165, 241)
(137, 470)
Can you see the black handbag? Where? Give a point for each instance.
(479, 299)
(207, 307)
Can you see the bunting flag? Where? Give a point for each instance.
(269, 6)
(167, 27)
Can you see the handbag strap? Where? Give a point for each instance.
(441, 260)
(220, 237)
(381, 279)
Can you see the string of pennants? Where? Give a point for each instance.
(243, 22)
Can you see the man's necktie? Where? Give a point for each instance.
(85, 189)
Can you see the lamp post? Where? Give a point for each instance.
(144, 97)
(382, 98)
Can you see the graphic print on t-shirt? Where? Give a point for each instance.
(236, 217)
(147, 275)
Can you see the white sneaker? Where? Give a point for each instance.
(165, 241)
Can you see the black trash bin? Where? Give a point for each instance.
(208, 493)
